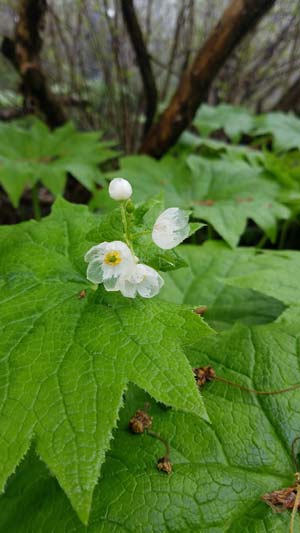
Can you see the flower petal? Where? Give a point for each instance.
(96, 252)
(127, 287)
(95, 272)
(171, 228)
(111, 284)
(151, 281)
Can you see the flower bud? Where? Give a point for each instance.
(120, 189)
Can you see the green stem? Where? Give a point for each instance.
(210, 232)
(125, 225)
(141, 233)
(159, 437)
(35, 202)
(283, 234)
(262, 242)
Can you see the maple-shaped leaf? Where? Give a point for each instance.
(68, 352)
(220, 471)
(226, 195)
(207, 282)
(235, 120)
(284, 128)
(37, 154)
(274, 273)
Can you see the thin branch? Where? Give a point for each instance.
(142, 59)
(176, 37)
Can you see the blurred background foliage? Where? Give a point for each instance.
(236, 165)
(90, 62)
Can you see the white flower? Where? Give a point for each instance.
(143, 280)
(171, 228)
(107, 262)
(120, 189)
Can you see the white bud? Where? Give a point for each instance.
(120, 189)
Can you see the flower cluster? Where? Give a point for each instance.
(114, 263)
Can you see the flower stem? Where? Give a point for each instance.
(261, 243)
(125, 225)
(35, 202)
(283, 235)
(246, 389)
(159, 437)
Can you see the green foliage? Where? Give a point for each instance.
(283, 128)
(66, 360)
(205, 281)
(226, 195)
(77, 362)
(220, 470)
(233, 120)
(29, 155)
(217, 191)
(141, 223)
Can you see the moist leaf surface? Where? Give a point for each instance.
(66, 360)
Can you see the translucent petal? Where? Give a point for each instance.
(95, 272)
(171, 228)
(96, 252)
(111, 284)
(127, 288)
(151, 282)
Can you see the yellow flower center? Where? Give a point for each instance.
(113, 258)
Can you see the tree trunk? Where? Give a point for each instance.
(238, 19)
(24, 53)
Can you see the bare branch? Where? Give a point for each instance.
(142, 58)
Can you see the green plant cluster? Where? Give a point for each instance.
(32, 154)
(77, 362)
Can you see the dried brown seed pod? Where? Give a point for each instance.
(204, 374)
(140, 422)
(82, 294)
(201, 310)
(164, 464)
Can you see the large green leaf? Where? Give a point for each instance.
(212, 148)
(36, 154)
(150, 177)
(66, 361)
(220, 470)
(273, 273)
(226, 195)
(234, 120)
(205, 282)
(284, 128)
